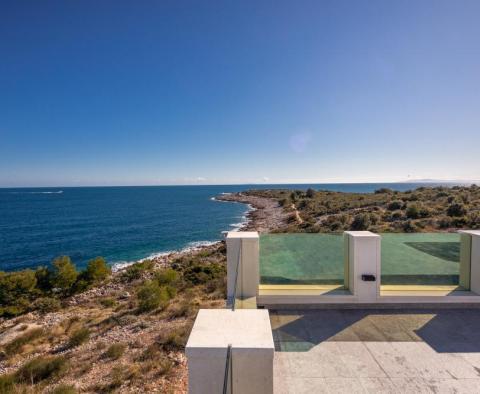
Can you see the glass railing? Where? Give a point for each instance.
(421, 259)
(302, 259)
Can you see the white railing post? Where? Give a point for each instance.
(363, 265)
(243, 250)
(470, 260)
(249, 333)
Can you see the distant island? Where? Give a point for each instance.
(65, 331)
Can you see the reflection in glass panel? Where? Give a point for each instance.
(303, 259)
(420, 259)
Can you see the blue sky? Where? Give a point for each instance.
(182, 92)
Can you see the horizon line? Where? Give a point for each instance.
(419, 181)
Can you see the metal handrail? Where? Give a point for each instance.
(227, 370)
(236, 275)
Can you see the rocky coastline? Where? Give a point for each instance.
(110, 313)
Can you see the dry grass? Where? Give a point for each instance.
(17, 345)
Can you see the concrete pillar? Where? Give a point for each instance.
(363, 249)
(470, 260)
(249, 333)
(243, 250)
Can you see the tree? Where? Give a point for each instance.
(97, 270)
(64, 273)
(16, 286)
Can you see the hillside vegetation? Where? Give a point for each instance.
(65, 331)
(420, 210)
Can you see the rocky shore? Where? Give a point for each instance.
(266, 216)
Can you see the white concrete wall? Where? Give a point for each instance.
(364, 258)
(243, 245)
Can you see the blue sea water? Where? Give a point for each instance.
(121, 223)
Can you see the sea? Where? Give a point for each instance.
(125, 224)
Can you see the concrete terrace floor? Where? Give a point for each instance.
(376, 351)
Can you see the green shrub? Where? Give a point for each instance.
(64, 273)
(167, 277)
(395, 205)
(115, 351)
(7, 384)
(65, 389)
(16, 345)
(335, 226)
(409, 227)
(79, 337)
(456, 210)
(15, 310)
(384, 190)
(41, 368)
(175, 339)
(412, 212)
(182, 309)
(152, 296)
(135, 271)
(97, 270)
(360, 222)
(197, 274)
(107, 302)
(310, 193)
(46, 304)
(424, 212)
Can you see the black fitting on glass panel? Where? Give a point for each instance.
(368, 278)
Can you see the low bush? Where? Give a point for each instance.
(167, 277)
(409, 227)
(175, 339)
(120, 374)
(115, 351)
(197, 273)
(65, 389)
(7, 384)
(456, 210)
(107, 302)
(41, 368)
(46, 304)
(395, 205)
(412, 212)
(360, 222)
(79, 337)
(152, 296)
(181, 309)
(135, 271)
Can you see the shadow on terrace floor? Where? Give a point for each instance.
(445, 330)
